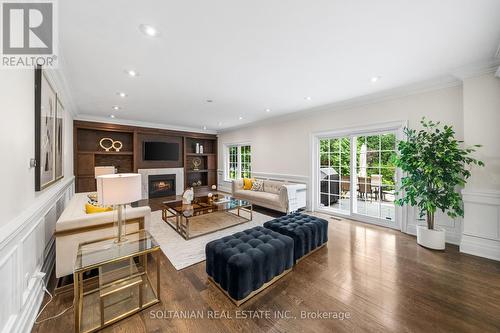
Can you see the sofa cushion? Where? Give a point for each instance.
(259, 197)
(308, 232)
(273, 186)
(243, 262)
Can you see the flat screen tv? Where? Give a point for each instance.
(161, 151)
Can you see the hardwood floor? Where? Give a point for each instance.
(380, 277)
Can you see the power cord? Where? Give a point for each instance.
(41, 275)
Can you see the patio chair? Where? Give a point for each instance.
(364, 188)
(376, 183)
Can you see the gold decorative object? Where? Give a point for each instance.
(116, 145)
(106, 148)
(196, 163)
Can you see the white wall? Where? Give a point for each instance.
(482, 126)
(18, 143)
(281, 146)
(28, 217)
(481, 232)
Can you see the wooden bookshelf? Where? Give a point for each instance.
(88, 153)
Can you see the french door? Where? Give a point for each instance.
(356, 176)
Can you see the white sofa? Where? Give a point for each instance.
(277, 195)
(75, 226)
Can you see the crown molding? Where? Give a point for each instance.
(138, 123)
(416, 88)
(477, 69)
(58, 78)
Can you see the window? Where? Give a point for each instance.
(239, 161)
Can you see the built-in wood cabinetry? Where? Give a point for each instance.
(88, 153)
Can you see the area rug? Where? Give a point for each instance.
(184, 253)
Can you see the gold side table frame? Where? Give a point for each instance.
(134, 272)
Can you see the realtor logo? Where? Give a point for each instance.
(28, 34)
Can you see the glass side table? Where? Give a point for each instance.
(124, 284)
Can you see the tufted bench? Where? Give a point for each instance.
(245, 263)
(308, 232)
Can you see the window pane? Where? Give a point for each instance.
(388, 141)
(373, 142)
(334, 145)
(388, 175)
(323, 161)
(324, 146)
(335, 161)
(346, 146)
(387, 158)
(372, 159)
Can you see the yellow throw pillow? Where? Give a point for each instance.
(91, 209)
(247, 183)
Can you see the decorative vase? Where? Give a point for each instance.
(188, 196)
(201, 149)
(197, 148)
(431, 238)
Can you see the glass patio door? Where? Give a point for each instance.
(357, 176)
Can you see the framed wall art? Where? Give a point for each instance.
(49, 133)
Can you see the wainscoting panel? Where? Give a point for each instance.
(481, 232)
(26, 249)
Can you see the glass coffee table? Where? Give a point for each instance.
(216, 210)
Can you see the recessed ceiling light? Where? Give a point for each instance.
(116, 107)
(268, 110)
(148, 30)
(220, 123)
(375, 79)
(131, 72)
(240, 118)
(308, 98)
(112, 116)
(204, 127)
(121, 94)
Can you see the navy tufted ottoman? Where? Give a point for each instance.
(308, 232)
(246, 262)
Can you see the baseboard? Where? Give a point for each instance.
(481, 231)
(481, 247)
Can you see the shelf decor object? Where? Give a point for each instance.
(196, 163)
(117, 145)
(128, 280)
(106, 147)
(119, 189)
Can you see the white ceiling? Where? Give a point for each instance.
(251, 55)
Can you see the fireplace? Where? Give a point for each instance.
(161, 185)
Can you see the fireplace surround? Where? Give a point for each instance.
(161, 185)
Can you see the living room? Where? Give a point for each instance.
(262, 167)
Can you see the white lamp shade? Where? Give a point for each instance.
(104, 170)
(122, 188)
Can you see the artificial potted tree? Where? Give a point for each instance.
(435, 167)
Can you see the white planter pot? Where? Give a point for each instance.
(432, 239)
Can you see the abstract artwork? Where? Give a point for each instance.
(59, 137)
(48, 133)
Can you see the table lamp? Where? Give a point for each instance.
(119, 189)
